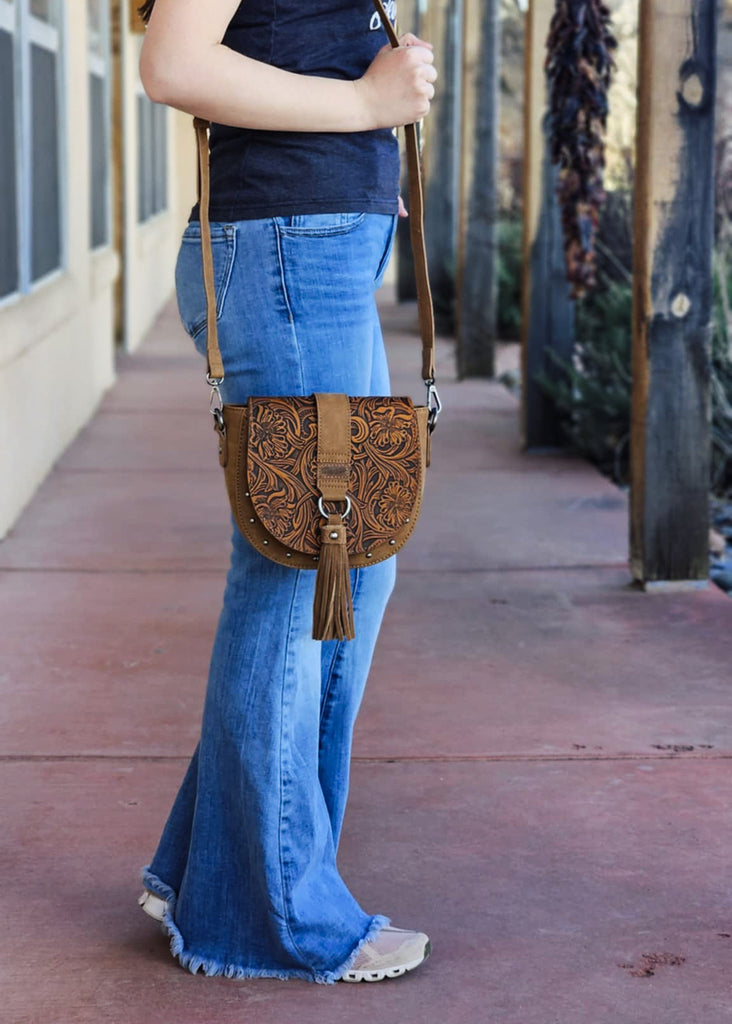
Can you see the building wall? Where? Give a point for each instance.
(58, 341)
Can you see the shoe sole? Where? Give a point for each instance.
(153, 905)
(386, 972)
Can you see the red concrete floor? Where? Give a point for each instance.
(542, 762)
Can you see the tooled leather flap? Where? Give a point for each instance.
(334, 445)
(386, 461)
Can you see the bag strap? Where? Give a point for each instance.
(215, 374)
(215, 371)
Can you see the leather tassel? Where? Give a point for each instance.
(333, 604)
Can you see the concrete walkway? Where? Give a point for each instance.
(543, 763)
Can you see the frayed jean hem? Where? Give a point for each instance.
(214, 968)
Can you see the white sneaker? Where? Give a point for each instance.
(393, 952)
(153, 905)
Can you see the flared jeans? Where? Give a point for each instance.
(247, 858)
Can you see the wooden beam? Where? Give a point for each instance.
(476, 270)
(672, 300)
(406, 286)
(118, 26)
(547, 321)
(136, 23)
(441, 158)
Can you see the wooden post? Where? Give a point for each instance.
(441, 158)
(136, 24)
(547, 320)
(476, 270)
(672, 300)
(406, 286)
(118, 25)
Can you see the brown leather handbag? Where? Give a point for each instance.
(326, 482)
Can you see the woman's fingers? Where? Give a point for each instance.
(398, 85)
(409, 39)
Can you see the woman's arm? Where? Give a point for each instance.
(184, 64)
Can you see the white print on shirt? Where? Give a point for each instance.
(391, 10)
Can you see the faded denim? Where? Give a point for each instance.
(247, 859)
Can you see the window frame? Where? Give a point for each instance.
(9, 24)
(28, 31)
(100, 65)
(156, 112)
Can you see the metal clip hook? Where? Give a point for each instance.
(433, 404)
(216, 403)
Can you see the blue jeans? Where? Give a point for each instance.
(247, 859)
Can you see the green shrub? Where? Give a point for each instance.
(510, 246)
(721, 382)
(592, 390)
(593, 393)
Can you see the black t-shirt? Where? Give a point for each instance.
(269, 174)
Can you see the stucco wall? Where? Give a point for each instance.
(57, 344)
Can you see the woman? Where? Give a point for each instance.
(304, 200)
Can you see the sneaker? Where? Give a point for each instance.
(153, 905)
(394, 951)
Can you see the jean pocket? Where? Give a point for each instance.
(189, 286)
(319, 225)
(386, 256)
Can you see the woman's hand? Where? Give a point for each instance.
(398, 86)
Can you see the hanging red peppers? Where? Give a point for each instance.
(579, 66)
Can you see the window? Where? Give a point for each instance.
(99, 122)
(9, 265)
(41, 57)
(152, 158)
(31, 220)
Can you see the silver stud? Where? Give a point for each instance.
(247, 494)
(252, 520)
(315, 558)
(392, 542)
(407, 520)
(369, 555)
(265, 542)
(333, 534)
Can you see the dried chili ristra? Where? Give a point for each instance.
(579, 66)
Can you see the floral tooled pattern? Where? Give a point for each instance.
(269, 434)
(385, 477)
(394, 505)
